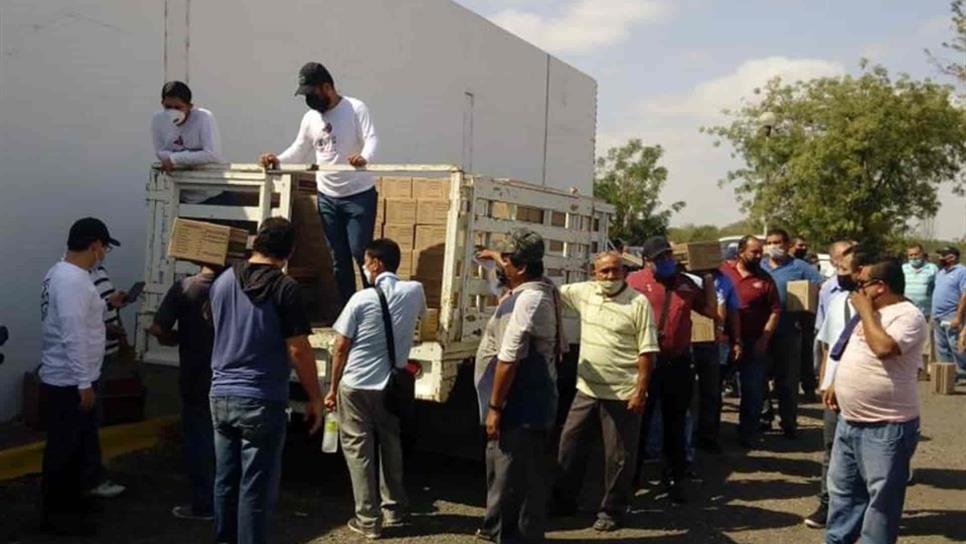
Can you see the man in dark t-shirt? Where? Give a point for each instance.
(187, 305)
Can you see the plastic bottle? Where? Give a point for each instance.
(330, 434)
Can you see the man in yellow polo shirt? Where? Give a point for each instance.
(618, 343)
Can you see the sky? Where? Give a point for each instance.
(665, 68)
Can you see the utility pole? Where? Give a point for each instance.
(766, 122)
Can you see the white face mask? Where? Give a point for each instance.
(176, 116)
(369, 278)
(777, 251)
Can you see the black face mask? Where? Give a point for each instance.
(752, 264)
(800, 253)
(501, 276)
(846, 282)
(317, 102)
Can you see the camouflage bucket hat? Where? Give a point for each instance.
(523, 245)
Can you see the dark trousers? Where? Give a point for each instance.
(619, 428)
(249, 438)
(348, 226)
(72, 454)
(751, 374)
(830, 419)
(516, 485)
(199, 453)
(707, 367)
(672, 382)
(784, 363)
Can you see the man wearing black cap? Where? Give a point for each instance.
(673, 296)
(73, 336)
(949, 308)
(340, 131)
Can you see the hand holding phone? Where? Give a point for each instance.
(134, 292)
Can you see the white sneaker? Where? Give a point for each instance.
(107, 490)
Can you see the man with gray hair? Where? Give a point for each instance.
(516, 381)
(618, 344)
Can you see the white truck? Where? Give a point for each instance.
(480, 208)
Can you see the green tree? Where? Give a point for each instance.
(846, 156)
(955, 66)
(630, 178)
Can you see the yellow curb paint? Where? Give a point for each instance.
(115, 440)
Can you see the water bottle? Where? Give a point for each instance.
(330, 434)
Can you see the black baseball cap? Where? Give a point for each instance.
(948, 250)
(655, 246)
(88, 230)
(312, 75)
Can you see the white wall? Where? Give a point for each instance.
(79, 80)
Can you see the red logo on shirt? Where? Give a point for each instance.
(758, 284)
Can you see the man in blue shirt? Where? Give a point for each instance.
(948, 307)
(360, 373)
(785, 351)
(920, 278)
(260, 331)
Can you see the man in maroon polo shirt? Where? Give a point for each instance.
(672, 296)
(759, 310)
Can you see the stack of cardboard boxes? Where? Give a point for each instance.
(413, 213)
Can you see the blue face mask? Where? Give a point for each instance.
(665, 268)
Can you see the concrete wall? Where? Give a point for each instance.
(80, 79)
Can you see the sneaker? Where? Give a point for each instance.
(107, 490)
(370, 533)
(393, 519)
(481, 534)
(816, 520)
(188, 512)
(605, 523)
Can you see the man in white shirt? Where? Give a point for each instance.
(184, 134)
(73, 336)
(360, 374)
(339, 130)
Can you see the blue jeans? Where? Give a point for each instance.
(867, 480)
(946, 339)
(199, 453)
(348, 223)
(249, 437)
(751, 369)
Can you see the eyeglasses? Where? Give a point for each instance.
(870, 281)
(108, 248)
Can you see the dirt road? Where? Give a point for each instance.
(757, 497)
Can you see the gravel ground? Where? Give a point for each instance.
(756, 497)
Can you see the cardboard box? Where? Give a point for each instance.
(400, 211)
(698, 255)
(432, 287)
(702, 328)
(428, 263)
(203, 242)
(431, 188)
(428, 236)
(500, 210)
(432, 212)
(429, 326)
(401, 234)
(802, 296)
(943, 378)
(393, 187)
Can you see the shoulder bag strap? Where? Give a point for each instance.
(387, 324)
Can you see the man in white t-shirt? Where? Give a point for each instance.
(73, 336)
(339, 130)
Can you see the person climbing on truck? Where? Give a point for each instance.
(340, 131)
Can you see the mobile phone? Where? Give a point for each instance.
(134, 292)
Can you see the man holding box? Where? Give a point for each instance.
(340, 131)
(785, 350)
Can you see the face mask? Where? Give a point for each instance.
(917, 262)
(665, 268)
(176, 116)
(846, 282)
(752, 264)
(316, 102)
(776, 251)
(369, 278)
(610, 287)
(801, 253)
